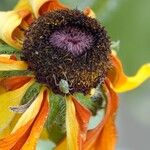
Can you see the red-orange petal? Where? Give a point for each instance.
(83, 116)
(103, 137)
(15, 82)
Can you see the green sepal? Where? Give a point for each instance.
(87, 102)
(93, 103)
(4, 74)
(6, 49)
(31, 93)
(55, 124)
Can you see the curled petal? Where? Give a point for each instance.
(12, 26)
(10, 64)
(23, 5)
(9, 99)
(40, 7)
(103, 137)
(77, 118)
(25, 137)
(122, 82)
(89, 12)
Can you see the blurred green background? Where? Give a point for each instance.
(129, 22)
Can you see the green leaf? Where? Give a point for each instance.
(31, 93)
(56, 120)
(4, 74)
(6, 49)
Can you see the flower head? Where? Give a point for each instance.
(72, 41)
(57, 69)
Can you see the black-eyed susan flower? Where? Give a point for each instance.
(57, 69)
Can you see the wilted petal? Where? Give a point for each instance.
(23, 5)
(9, 64)
(27, 131)
(122, 82)
(9, 99)
(103, 137)
(12, 26)
(40, 7)
(77, 118)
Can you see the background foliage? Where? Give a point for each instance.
(129, 22)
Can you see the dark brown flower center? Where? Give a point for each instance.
(67, 45)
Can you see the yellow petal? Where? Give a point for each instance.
(62, 145)
(72, 126)
(134, 81)
(121, 82)
(9, 64)
(77, 119)
(30, 113)
(89, 12)
(44, 134)
(11, 24)
(39, 7)
(8, 99)
(22, 5)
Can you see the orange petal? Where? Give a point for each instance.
(14, 83)
(77, 118)
(122, 82)
(26, 136)
(9, 64)
(40, 7)
(89, 12)
(103, 137)
(12, 24)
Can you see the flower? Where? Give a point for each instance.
(56, 71)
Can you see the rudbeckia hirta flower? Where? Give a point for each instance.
(57, 70)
